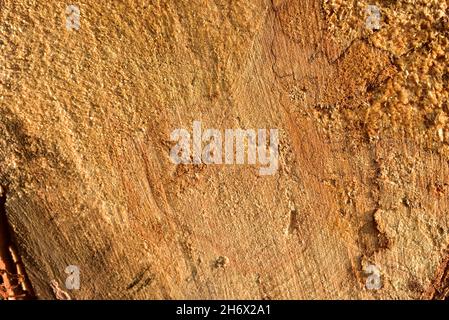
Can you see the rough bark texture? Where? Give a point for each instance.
(363, 180)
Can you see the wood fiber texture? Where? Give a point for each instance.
(85, 123)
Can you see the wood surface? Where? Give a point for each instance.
(85, 166)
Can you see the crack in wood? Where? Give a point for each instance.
(439, 287)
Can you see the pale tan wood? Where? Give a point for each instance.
(86, 118)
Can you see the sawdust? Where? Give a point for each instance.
(415, 36)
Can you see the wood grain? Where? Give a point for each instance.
(86, 118)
